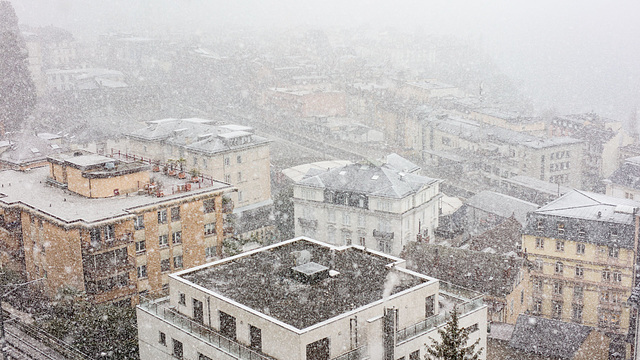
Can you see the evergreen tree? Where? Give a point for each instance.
(453, 342)
(17, 91)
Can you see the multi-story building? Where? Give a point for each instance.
(493, 154)
(107, 228)
(583, 248)
(625, 181)
(378, 207)
(304, 299)
(229, 153)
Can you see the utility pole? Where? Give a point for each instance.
(3, 338)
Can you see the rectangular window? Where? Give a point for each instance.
(539, 243)
(178, 351)
(559, 268)
(175, 213)
(346, 218)
(162, 338)
(227, 325)
(580, 248)
(579, 271)
(165, 265)
(209, 205)
(537, 284)
(560, 227)
(576, 314)
(606, 275)
(176, 237)
(210, 252)
(537, 306)
(430, 306)
(617, 277)
(109, 233)
(239, 159)
(614, 251)
(578, 292)
(557, 288)
(142, 271)
(210, 229)
(239, 176)
(556, 308)
(559, 245)
(255, 338)
(415, 355)
(140, 246)
(162, 216)
(182, 299)
(318, 350)
(240, 196)
(95, 236)
(362, 220)
(227, 178)
(227, 161)
(177, 262)
(138, 223)
(163, 240)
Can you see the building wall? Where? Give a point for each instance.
(622, 192)
(594, 261)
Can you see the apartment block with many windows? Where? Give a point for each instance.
(583, 247)
(378, 207)
(303, 299)
(106, 228)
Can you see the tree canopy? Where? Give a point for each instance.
(453, 343)
(17, 91)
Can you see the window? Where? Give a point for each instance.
(617, 277)
(331, 216)
(362, 220)
(578, 292)
(539, 243)
(540, 225)
(521, 297)
(579, 248)
(537, 306)
(240, 195)
(415, 355)
(227, 325)
(140, 246)
(162, 338)
(606, 275)
(227, 178)
(162, 216)
(177, 349)
(165, 265)
(176, 237)
(182, 299)
(557, 287)
(559, 245)
(239, 159)
(142, 271)
(559, 268)
(362, 241)
(560, 227)
(239, 176)
(109, 233)
(537, 284)
(538, 264)
(95, 236)
(138, 223)
(177, 262)
(175, 213)
(227, 160)
(576, 313)
(318, 350)
(255, 338)
(209, 229)
(614, 251)
(579, 271)
(346, 218)
(163, 240)
(556, 308)
(209, 205)
(210, 252)
(430, 306)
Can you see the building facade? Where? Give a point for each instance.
(303, 299)
(229, 153)
(378, 207)
(583, 248)
(105, 228)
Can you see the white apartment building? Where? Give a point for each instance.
(304, 299)
(378, 207)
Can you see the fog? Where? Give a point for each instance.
(571, 56)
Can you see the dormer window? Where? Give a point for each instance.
(582, 233)
(560, 228)
(540, 225)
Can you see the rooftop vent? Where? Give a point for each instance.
(109, 166)
(310, 273)
(301, 257)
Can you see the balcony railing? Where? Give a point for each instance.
(112, 268)
(308, 223)
(383, 234)
(202, 332)
(355, 354)
(472, 303)
(107, 243)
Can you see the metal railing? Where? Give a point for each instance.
(202, 332)
(355, 354)
(439, 319)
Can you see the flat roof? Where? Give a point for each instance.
(263, 281)
(31, 189)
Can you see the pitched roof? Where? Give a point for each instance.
(502, 205)
(381, 181)
(628, 174)
(548, 337)
(504, 238)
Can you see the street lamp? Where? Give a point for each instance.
(3, 339)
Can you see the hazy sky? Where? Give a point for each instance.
(574, 55)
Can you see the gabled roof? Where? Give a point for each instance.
(628, 174)
(372, 180)
(401, 164)
(591, 206)
(547, 337)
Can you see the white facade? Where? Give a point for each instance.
(382, 223)
(170, 328)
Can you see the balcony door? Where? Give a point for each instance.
(197, 311)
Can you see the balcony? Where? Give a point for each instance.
(464, 307)
(110, 268)
(107, 243)
(159, 308)
(355, 354)
(383, 234)
(307, 223)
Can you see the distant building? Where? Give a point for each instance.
(303, 102)
(533, 190)
(230, 153)
(583, 248)
(106, 229)
(303, 299)
(84, 79)
(378, 207)
(25, 151)
(625, 181)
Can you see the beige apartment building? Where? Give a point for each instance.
(583, 249)
(228, 153)
(106, 228)
(304, 299)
